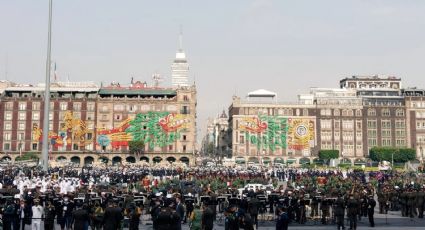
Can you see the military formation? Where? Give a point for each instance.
(202, 197)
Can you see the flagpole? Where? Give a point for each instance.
(45, 146)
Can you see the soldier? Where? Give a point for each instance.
(352, 210)
(420, 195)
(324, 206)
(370, 210)
(339, 212)
(403, 203)
(382, 201)
(411, 203)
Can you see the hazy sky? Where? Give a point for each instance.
(233, 46)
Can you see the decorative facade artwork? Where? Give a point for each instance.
(72, 129)
(300, 133)
(115, 137)
(271, 132)
(266, 132)
(155, 129)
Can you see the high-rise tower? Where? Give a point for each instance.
(180, 67)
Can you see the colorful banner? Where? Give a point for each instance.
(300, 133)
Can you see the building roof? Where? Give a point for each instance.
(262, 93)
(128, 91)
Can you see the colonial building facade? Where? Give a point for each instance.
(88, 123)
(366, 111)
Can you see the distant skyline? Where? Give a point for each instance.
(232, 47)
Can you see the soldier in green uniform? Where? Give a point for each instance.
(403, 203)
(420, 195)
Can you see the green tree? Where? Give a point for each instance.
(210, 148)
(136, 147)
(401, 155)
(328, 154)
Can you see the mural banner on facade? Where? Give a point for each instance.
(155, 129)
(266, 132)
(270, 132)
(300, 133)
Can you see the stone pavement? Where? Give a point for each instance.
(391, 221)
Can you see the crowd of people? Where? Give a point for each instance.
(117, 197)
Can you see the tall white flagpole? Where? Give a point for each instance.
(45, 147)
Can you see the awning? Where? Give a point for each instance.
(253, 159)
(304, 161)
(291, 161)
(240, 160)
(266, 160)
(279, 160)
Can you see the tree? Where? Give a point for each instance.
(400, 155)
(210, 148)
(136, 147)
(328, 154)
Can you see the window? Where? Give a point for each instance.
(184, 148)
(21, 136)
(90, 106)
(21, 126)
(372, 133)
(36, 106)
(77, 106)
(6, 146)
(105, 108)
(104, 117)
(385, 112)
(372, 142)
(358, 125)
(51, 116)
(185, 98)
(371, 112)
(9, 106)
(386, 142)
(386, 133)
(336, 112)
(348, 124)
(386, 124)
(117, 117)
(400, 124)
(22, 105)
(8, 116)
(74, 147)
(132, 108)
(34, 146)
(185, 109)
(371, 124)
(36, 116)
(242, 139)
(326, 124)
(337, 124)
(184, 137)
(399, 113)
(63, 106)
(52, 105)
(22, 116)
(325, 112)
(76, 115)
(90, 116)
(7, 136)
(7, 126)
(118, 107)
(170, 148)
(358, 113)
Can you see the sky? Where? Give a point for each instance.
(233, 47)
